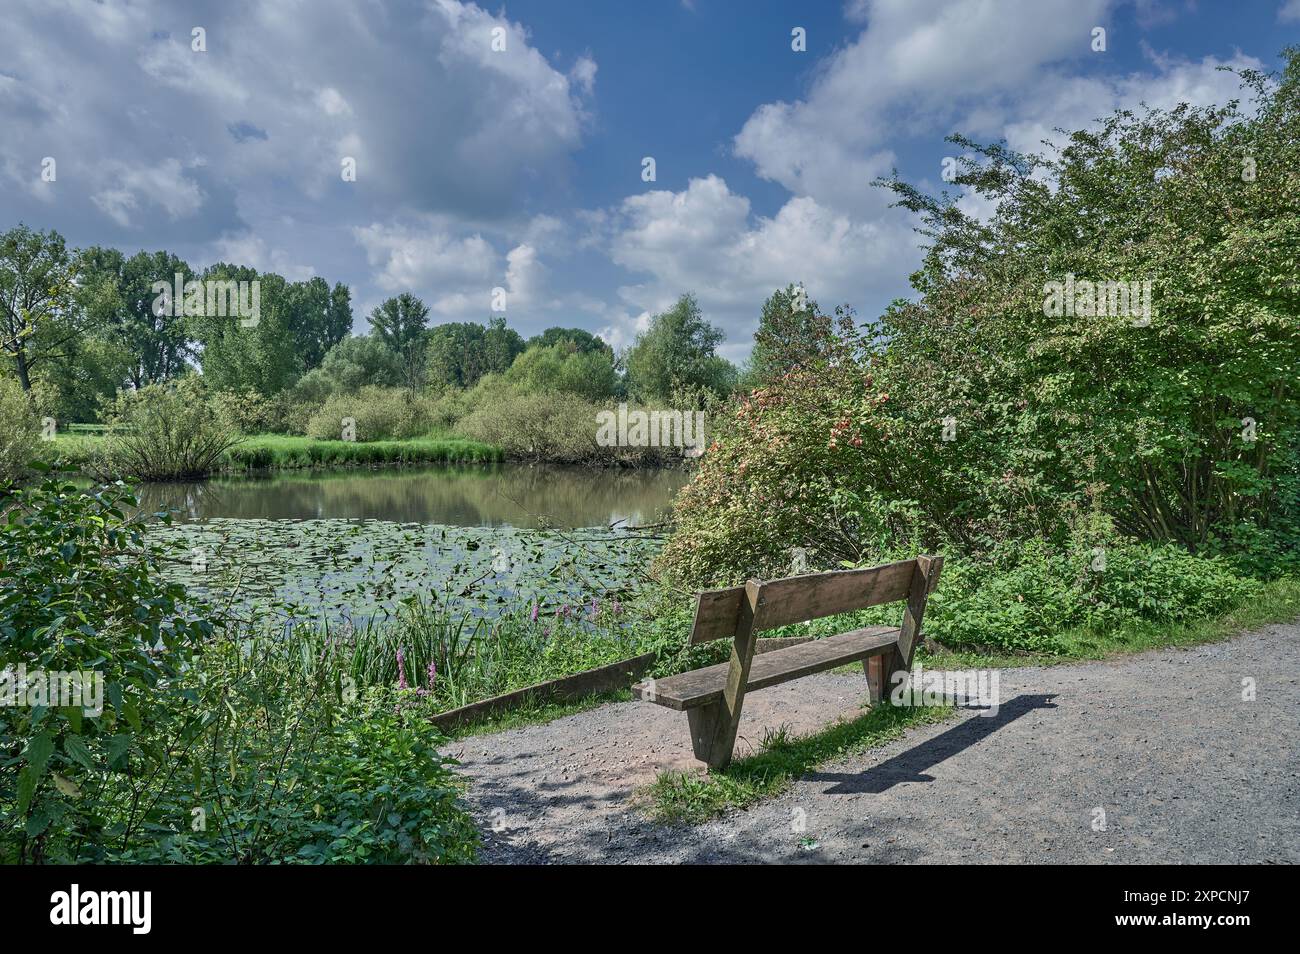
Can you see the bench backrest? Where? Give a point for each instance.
(796, 599)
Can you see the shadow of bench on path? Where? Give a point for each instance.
(909, 766)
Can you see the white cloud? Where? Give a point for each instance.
(164, 185)
(331, 101)
(429, 259)
(249, 249)
(916, 66)
(1290, 12)
(584, 74)
(438, 122)
(1075, 102)
(705, 239)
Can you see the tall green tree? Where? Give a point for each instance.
(238, 355)
(459, 353)
(39, 313)
(402, 324)
(118, 294)
(792, 331)
(501, 345)
(320, 317)
(677, 354)
(582, 341)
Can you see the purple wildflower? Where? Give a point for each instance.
(533, 616)
(401, 669)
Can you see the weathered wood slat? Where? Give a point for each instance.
(815, 595)
(924, 580)
(716, 612)
(706, 686)
(736, 682)
(578, 686)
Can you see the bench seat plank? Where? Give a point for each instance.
(703, 686)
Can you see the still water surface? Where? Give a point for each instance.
(507, 495)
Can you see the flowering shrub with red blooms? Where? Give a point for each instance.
(789, 467)
(1180, 424)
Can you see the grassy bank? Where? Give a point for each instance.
(285, 452)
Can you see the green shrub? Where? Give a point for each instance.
(379, 414)
(248, 411)
(450, 405)
(80, 591)
(562, 367)
(555, 426)
(213, 745)
(1025, 597)
(20, 431)
(172, 431)
(355, 362)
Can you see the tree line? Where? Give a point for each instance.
(78, 326)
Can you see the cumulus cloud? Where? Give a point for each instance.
(463, 153)
(918, 70)
(916, 66)
(157, 140)
(706, 239)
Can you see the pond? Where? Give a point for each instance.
(504, 495)
(353, 545)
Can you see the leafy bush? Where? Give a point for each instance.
(215, 743)
(980, 414)
(20, 431)
(353, 363)
(79, 592)
(172, 431)
(555, 426)
(379, 413)
(562, 367)
(384, 795)
(1029, 596)
(247, 410)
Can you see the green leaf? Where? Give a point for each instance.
(132, 716)
(78, 752)
(37, 822)
(39, 749)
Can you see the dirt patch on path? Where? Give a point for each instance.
(1183, 768)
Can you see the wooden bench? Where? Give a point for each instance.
(712, 697)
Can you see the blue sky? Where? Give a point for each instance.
(521, 168)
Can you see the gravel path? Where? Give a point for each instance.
(1163, 743)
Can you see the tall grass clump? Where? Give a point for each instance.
(172, 431)
(449, 657)
(274, 451)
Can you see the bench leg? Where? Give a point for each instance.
(892, 665)
(711, 743)
(874, 667)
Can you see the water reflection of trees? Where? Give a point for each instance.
(518, 495)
